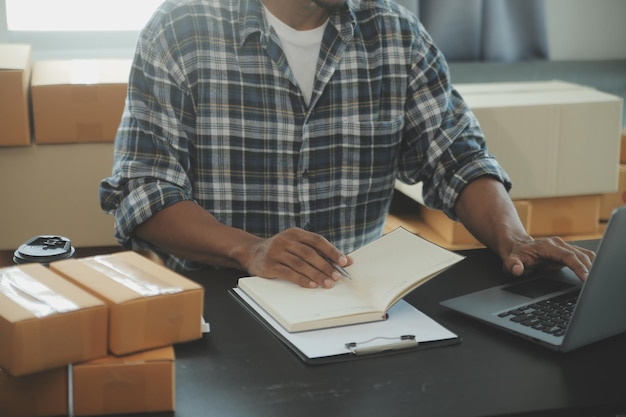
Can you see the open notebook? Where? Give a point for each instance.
(383, 272)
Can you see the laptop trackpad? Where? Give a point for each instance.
(537, 287)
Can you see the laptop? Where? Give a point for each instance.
(555, 308)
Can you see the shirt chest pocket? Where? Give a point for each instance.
(372, 146)
(369, 155)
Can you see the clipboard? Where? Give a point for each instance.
(406, 329)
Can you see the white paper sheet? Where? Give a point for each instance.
(404, 320)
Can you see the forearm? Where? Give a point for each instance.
(188, 231)
(486, 210)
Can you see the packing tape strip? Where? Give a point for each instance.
(32, 295)
(132, 277)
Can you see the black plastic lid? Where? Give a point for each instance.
(44, 249)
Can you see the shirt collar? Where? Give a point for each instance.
(251, 16)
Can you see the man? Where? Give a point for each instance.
(266, 135)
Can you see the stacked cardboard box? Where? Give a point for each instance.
(76, 101)
(622, 154)
(611, 201)
(137, 383)
(563, 216)
(15, 74)
(47, 322)
(41, 394)
(119, 354)
(149, 305)
(554, 139)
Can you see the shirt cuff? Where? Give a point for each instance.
(141, 202)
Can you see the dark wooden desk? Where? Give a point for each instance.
(240, 369)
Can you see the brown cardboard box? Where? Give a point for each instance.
(564, 216)
(611, 201)
(78, 100)
(454, 232)
(15, 72)
(622, 154)
(138, 383)
(150, 305)
(46, 321)
(43, 394)
(451, 231)
(55, 187)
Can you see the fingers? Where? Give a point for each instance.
(549, 253)
(299, 256)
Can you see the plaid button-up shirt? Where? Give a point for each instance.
(214, 115)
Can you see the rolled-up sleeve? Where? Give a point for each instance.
(151, 153)
(444, 147)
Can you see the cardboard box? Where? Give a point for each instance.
(554, 139)
(46, 321)
(622, 153)
(150, 305)
(77, 101)
(138, 383)
(53, 189)
(564, 216)
(43, 394)
(15, 73)
(454, 232)
(611, 201)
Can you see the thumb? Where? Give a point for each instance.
(514, 266)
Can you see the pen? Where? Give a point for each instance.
(338, 267)
(341, 270)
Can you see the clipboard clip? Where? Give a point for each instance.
(367, 348)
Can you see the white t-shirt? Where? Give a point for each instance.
(302, 48)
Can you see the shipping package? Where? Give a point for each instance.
(15, 73)
(150, 305)
(43, 394)
(138, 383)
(564, 216)
(622, 154)
(46, 321)
(76, 101)
(611, 201)
(554, 139)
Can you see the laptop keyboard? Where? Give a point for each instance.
(549, 316)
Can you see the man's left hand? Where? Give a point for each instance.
(550, 252)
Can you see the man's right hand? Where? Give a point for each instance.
(299, 256)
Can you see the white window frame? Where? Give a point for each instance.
(71, 44)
